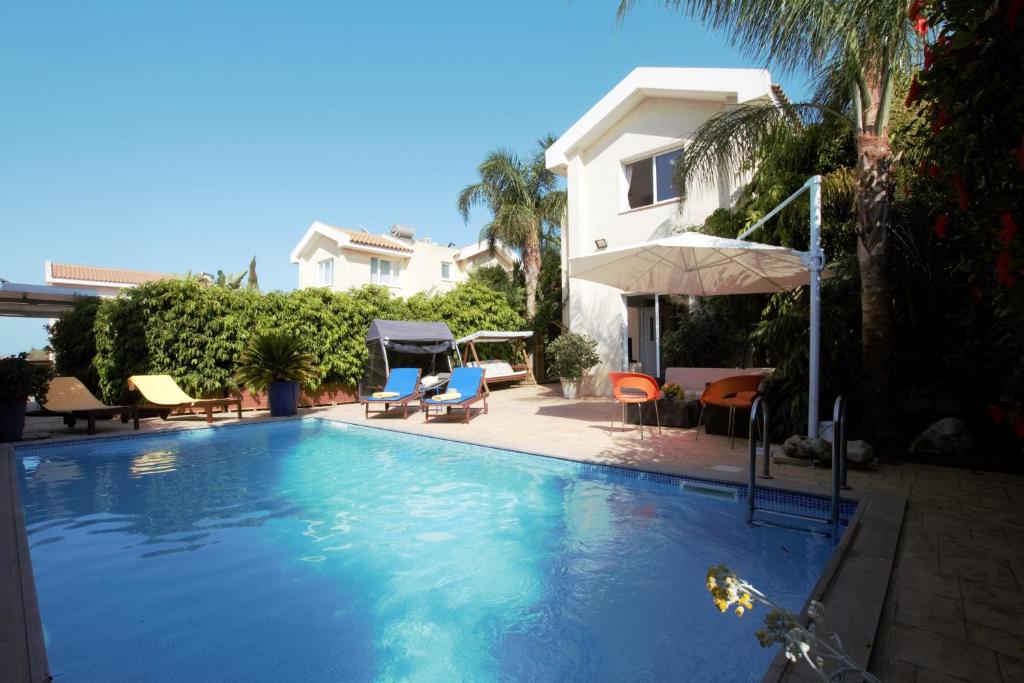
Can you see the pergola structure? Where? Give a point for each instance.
(39, 301)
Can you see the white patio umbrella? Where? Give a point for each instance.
(696, 264)
(703, 265)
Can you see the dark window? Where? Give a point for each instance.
(651, 179)
(641, 183)
(665, 165)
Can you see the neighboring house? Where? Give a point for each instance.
(618, 160)
(341, 258)
(107, 281)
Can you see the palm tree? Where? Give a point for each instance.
(855, 52)
(526, 207)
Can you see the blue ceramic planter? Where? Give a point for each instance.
(284, 398)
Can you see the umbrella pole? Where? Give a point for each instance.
(816, 265)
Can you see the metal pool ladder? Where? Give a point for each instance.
(760, 408)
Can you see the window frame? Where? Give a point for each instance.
(323, 268)
(448, 265)
(394, 272)
(652, 158)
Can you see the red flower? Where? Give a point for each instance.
(976, 293)
(915, 9)
(1018, 426)
(1003, 265)
(1012, 12)
(1019, 152)
(941, 120)
(963, 196)
(941, 223)
(913, 93)
(921, 26)
(1008, 228)
(997, 413)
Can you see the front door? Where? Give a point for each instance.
(647, 350)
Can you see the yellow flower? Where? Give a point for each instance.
(739, 611)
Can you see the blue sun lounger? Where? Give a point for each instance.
(402, 388)
(468, 383)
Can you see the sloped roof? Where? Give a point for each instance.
(119, 276)
(670, 82)
(345, 236)
(371, 240)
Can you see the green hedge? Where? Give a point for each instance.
(196, 332)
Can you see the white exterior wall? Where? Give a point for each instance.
(598, 209)
(420, 269)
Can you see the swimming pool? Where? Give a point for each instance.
(313, 550)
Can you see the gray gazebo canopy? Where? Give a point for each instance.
(406, 343)
(411, 337)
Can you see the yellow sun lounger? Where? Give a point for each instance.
(161, 392)
(69, 397)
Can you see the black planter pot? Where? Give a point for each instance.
(12, 420)
(283, 398)
(673, 413)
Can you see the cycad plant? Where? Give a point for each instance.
(276, 357)
(856, 53)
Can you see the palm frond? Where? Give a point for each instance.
(734, 139)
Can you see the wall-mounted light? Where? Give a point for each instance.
(601, 243)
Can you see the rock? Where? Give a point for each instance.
(859, 451)
(946, 438)
(806, 449)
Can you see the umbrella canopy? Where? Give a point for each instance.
(696, 264)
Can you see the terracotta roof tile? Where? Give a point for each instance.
(372, 240)
(67, 271)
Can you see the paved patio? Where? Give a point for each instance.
(954, 609)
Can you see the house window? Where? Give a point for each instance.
(650, 180)
(325, 272)
(383, 271)
(446, 270)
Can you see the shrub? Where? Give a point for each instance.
(197, 333)
(73, 342)
(571, 355)
(20, 379)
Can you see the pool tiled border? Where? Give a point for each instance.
(853, 584)
(22, 648)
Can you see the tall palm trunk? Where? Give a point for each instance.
(531, 273)
(531, 270)
(876, 183)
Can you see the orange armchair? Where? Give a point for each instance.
(734, 392)
(635, 387)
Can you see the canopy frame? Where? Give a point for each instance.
(523, 372)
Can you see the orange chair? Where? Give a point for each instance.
(734, 392)
(635, 387)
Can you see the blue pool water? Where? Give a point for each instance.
(307, 550)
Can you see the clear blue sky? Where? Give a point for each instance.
(193, 135)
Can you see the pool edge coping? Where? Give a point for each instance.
(870, 539)
(25, 646)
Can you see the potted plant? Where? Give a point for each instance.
(569, 357)
(277, 363)
(19, 380)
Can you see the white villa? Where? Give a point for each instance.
(618, 160)
(340, 258)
